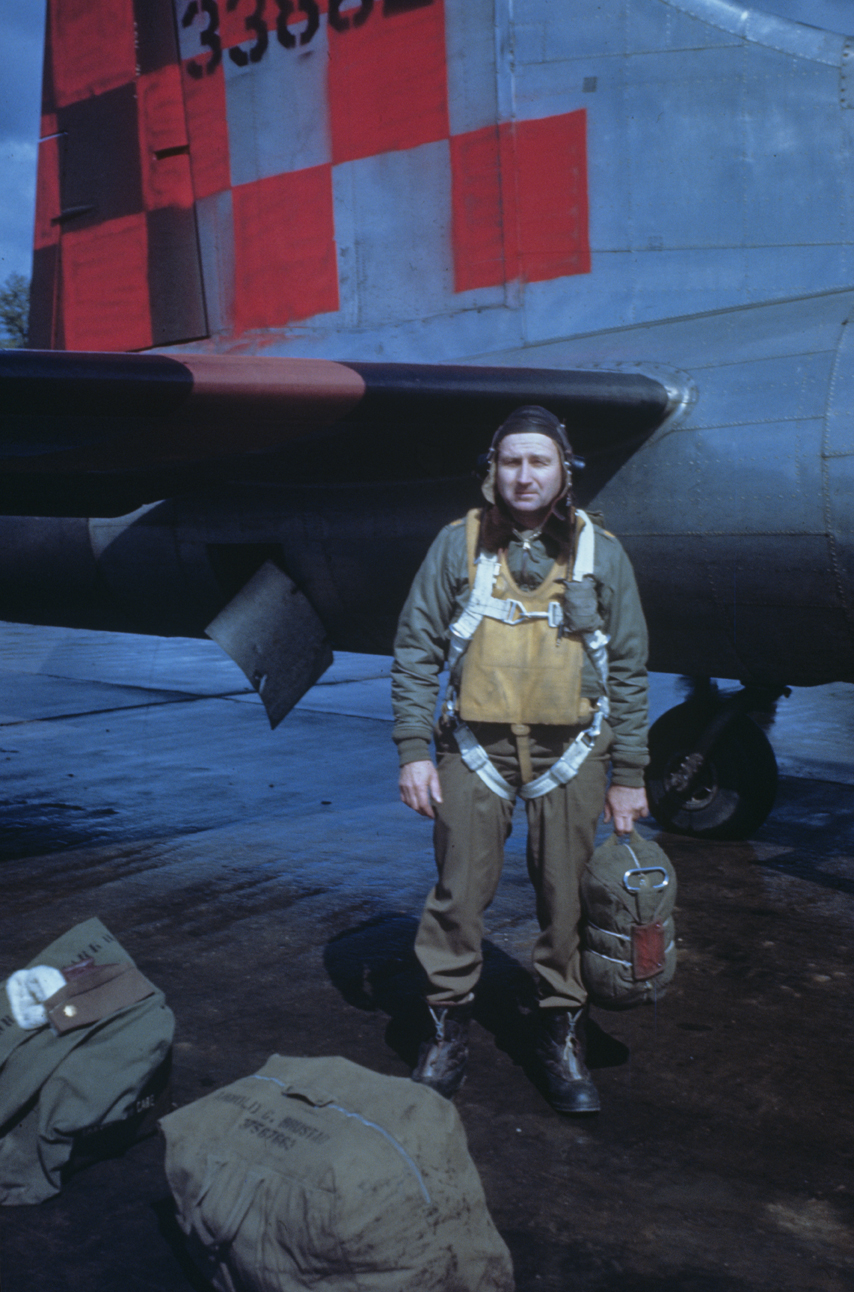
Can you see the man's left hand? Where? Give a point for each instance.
(624, 805)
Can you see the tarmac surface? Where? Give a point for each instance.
(271, 885)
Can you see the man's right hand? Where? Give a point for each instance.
(419, 786)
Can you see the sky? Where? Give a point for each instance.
(21, 40)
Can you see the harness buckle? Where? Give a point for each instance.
(589, 738)
(555, 614)
(514, 612)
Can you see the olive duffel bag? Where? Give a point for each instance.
(320, 1174)
(85, 1045)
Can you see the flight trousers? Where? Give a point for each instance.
(471, 827)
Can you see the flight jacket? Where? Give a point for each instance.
(437, 597)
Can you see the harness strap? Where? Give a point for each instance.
(567, 766)
(464, 628)
(477, 760)
(522, 733)
(585, 549)
(482, 604)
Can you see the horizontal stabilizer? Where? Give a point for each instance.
(210, 406)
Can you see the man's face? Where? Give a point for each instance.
(528, 476)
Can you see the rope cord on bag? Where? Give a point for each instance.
(373, 1125)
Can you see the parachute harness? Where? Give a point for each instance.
(482, 604)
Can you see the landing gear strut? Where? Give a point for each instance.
(712, 770)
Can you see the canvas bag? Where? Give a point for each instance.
(317, 1173)
(86, 1092)
(628, 944)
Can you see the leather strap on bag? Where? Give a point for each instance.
(96, 993)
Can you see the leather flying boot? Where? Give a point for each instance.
(442, 1060)
(567, 1082)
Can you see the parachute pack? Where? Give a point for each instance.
(628, 892)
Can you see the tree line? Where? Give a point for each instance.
(14, 311)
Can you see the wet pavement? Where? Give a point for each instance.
(271, 883)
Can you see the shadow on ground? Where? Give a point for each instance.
(373, 966)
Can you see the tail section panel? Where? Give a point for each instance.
(171, 127)
(117, 259)
(284, 249)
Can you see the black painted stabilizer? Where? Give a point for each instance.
(600, 408)
(57, 384)
(395, 421)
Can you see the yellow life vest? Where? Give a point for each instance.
(523, 670)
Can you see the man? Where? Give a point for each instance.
(536, 611)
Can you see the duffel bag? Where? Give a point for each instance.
(317, 1173)
(85, 1071)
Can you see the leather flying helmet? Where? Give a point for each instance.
(538, 421)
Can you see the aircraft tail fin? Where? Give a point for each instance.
(116, 262)
(212, 170)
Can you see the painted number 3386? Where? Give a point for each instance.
(342, 15)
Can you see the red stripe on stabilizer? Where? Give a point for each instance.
(284, 249)
(207, 130)
(478, 229)
(162, 130)
(551, 196)
(388, 82)
(47, 195)
(93, 47)
(105, 286)
(520, 202)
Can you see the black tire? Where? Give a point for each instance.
(736, 787)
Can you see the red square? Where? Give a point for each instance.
(387, 81)
(104, 290)
(207, 130)
(551, 195)
(478, 227)
(162, 133)
(93, 47)
(519, 201)
(284, 249)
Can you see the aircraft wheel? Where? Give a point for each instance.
(735, 788)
